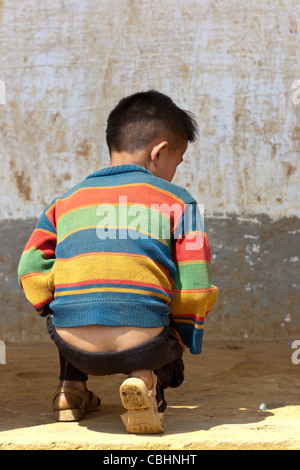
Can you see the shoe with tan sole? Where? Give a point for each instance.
(142, 415)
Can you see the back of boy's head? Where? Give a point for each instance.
(142, 117)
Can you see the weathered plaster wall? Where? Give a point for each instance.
(66, 63)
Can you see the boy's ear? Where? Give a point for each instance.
(155, 153)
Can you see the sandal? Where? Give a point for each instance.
(90, 402)
(142, 415)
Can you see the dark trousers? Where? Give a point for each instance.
(163, 354)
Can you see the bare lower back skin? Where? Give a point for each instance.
(100, 338)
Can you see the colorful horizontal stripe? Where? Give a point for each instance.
(120, 248)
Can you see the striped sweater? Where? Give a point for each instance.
(123, 247)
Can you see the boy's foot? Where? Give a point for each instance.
(73, 400)
(142, 415)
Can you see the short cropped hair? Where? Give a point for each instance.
(140, 118)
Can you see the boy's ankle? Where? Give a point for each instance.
(145, 376)
(77, 384)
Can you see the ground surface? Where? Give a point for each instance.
(217, 407)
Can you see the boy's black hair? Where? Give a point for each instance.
(139, 118)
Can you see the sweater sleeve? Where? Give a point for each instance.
(193, 293)
(37, 261)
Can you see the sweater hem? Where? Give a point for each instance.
(109, 313)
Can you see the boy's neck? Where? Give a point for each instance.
(124, 158)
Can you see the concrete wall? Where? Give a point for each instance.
(65, 64)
